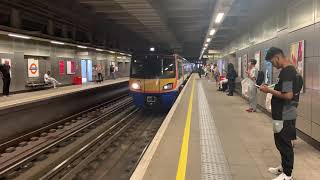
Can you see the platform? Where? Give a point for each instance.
(218, 140)
(29, 97)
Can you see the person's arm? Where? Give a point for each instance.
(281, 95)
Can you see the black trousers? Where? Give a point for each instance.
(100, 78)
(284, 145)
(6, 86)
(231, 85)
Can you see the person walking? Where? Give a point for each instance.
(6, 77)
(99, 73)
(284, 105)
(231, 76)
(252, 74)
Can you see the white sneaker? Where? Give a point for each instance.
(276, 171)
(283, 176)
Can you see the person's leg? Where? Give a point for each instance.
(283, 144)
(8, 86)
(5, 87)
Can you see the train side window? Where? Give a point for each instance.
(180, 69)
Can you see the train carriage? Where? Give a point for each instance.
(156, 79)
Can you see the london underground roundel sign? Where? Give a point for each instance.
(33, 68)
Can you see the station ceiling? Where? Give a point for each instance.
(174, 24)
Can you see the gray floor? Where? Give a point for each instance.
(246, 139)
(23, 98)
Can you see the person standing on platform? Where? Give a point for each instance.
(6, 77)
(99, 73)
(231, 76)
(199, 71)
(284, 105)
(216, 74)
(252, 74)
(112, 72)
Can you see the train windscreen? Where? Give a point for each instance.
(153, 67)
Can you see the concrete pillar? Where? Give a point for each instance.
(15, 18)
(64, 31)
(50, 28)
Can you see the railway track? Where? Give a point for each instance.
(23, 154)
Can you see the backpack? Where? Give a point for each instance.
(297, 87)
(260, 78)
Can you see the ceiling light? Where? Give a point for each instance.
(19, 36)
(219, 17)
(206, 45)
(209, 39)
(212, 32)
(99, 50)
(83, 47)
(112, 52)
(122, 53)
(129, 55)
(56, 42)
(152, 49)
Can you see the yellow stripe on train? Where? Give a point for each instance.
(152, 85)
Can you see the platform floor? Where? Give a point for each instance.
(28, 97)
(225, 142)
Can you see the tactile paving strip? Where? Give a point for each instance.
(214, 165)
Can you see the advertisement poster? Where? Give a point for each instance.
(297, 56)
(61, 67)
(33, 68)
(4, 60)
(71, 67)
(257, 56)
(267, 69)
(240, 67)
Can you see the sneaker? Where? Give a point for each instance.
(276, 171)
(283, 176)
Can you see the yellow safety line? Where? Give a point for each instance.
(185, 143)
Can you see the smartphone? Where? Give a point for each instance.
(257, 86)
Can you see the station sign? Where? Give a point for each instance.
(33, 67)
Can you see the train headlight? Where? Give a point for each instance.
(135, 86)
(168, 86)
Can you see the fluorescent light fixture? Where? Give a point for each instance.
(212, 32)
(112, 52)
(219, 17)
(129, 55)
(56, 42)
(99, 50)
(152, 49)
(208, 39)
(206, 45)
(83, 47)
(122, 53)
(19, 36)
(119, 57)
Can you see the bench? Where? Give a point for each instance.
(38, 85)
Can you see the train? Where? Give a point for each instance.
(157, 79)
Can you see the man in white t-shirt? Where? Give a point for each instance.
(48, 79)
(252, 74)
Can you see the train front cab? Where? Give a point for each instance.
(154, 93)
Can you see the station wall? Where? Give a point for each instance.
(49, 56)
(292, 22)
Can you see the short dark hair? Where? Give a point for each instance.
(273, 51)
(253, 61)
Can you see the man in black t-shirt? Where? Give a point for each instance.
(284, 112)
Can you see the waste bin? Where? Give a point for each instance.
(77, 80)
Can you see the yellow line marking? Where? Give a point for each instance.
(181, 173)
